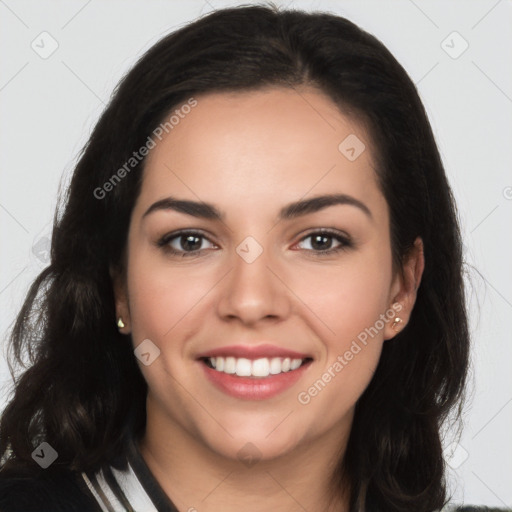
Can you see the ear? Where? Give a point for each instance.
(404, 289)
(121, 300)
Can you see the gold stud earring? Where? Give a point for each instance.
(396, 321)
(120, 323)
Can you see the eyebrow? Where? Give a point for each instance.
(288, 212)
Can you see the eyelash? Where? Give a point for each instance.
(344, 240)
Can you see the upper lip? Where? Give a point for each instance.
(253, 352)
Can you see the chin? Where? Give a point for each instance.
(254, 438)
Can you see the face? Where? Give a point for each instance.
(250, 282)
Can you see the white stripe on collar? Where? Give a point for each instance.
(94, 493)
(130, 485)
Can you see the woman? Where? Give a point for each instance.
(255, 297)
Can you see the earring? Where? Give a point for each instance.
(396, 321)
(120, 323)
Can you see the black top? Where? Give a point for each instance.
(60, 490)
(49, 490)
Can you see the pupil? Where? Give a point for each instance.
(323, 239)
(191, 242)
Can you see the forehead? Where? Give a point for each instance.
(265, 144)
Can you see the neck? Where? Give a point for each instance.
(197, 478)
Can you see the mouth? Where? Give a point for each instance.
(253, 373)
(260, 368)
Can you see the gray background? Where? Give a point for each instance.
(49, 106)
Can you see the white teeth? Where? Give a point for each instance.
(243, 367)
(261, 367)
(254, 368)
(229, 364)
(295, 364)
(275, 365)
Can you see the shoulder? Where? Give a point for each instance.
(44, 491)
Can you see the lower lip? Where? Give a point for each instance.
(254, 388)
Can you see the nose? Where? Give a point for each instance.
(253, 292)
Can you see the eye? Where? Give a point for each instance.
(192, 243)
(185, 243)
(321, 242)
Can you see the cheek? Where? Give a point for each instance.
(353, 345)
(161, 297)
(331, 394)
(348, 298)
(350, 302)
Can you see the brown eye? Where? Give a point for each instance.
(185, 243)
(323, 242)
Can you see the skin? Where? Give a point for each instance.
(250, 154)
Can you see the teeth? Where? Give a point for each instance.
(275, 365)
(261, 367)
(229, 364)
(243, 367)
(295, 364)
(254, 368)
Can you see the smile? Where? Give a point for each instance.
(253, 373)
(259, 368)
